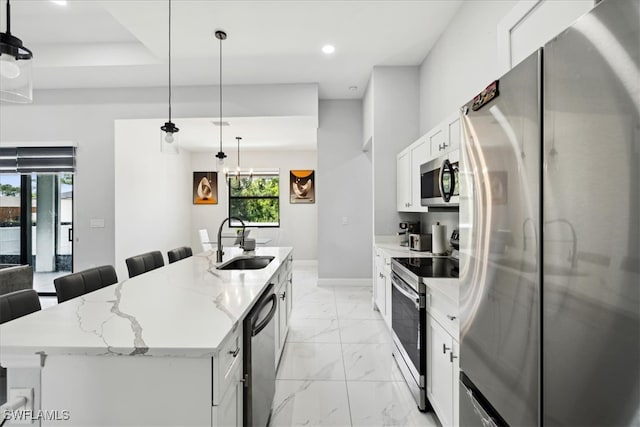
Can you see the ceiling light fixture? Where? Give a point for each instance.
(167, 136)
(328, 49)
(221, 35)
(15, 67)
(59, 2)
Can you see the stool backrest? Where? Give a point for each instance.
(83, 282)
(144, 262)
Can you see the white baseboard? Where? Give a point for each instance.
(345, 282)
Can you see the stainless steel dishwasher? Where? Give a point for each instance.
(259, 361)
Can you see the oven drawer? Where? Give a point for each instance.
(444, 310)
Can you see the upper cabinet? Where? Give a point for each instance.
(446, 136)
(438, 141)
(403, 180)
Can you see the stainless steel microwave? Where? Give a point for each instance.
(439, 181)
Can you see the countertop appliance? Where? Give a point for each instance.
(407, 228)
(409, 317)
(420, 242)
(556, 304)
(439, 181)
(260, 359)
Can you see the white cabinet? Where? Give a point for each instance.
(446, 136)
(408, 170)
(403, 183)
(442, 371)
(443, 364)
(227, 382)
(283, 290)
(382, 284)
(379, 292)
(419, 154)
(230, 410)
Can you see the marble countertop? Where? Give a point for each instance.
(184, 309)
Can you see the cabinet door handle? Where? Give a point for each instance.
(235, 352)
(445, 349)
(451, 317)
(452, 356)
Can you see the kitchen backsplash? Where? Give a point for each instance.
(450, 219)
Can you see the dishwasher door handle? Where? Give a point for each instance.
(259, 327)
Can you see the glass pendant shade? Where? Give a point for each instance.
(169, 139)
(15, 68)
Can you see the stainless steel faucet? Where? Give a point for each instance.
(219, 252)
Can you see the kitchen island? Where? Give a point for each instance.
(162, 348)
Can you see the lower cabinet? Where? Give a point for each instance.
(382, 284)
(442, 368)
(283, 290)
(443, 363)
(230, 410)
(228, 387)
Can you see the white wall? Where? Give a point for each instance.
(298, 222)
(463, 61)
(344, 191)
(86, 117)
(467, 57)
(152, 204)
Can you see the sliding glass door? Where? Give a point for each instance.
(36, 225)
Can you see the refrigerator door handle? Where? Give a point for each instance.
(486, 420)
(487, 416)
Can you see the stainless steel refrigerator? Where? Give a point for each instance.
(550, 233)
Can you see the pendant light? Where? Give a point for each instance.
(15, 67)
(221, 35)
(238, 168)
(169, 130)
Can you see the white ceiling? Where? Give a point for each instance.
(118, 43)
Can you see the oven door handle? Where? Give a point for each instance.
(403, 291)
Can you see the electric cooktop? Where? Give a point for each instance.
(436, 267)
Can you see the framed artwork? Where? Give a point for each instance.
(301, 186)
(205, 188)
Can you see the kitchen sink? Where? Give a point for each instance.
(246, 263)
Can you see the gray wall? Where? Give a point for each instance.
(344, 190)
(395, 126)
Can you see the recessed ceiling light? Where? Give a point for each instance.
(328, 49)
(353, 88)
(59, 2)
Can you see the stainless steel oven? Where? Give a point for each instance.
(439, 181)
(408, 323)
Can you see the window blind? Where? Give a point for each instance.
(37, 159)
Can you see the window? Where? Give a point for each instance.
(255, 199)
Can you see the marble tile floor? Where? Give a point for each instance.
(337, 369)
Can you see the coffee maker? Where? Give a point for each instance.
(407, 228)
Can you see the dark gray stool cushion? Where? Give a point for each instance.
(83, 282)
(18, 304)
(179, 253)
(145, 262)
